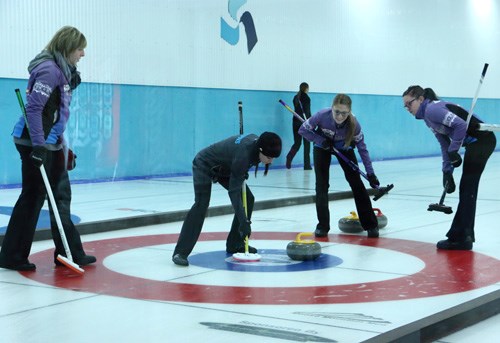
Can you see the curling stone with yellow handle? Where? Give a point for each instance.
(350, 224)
(303, 249)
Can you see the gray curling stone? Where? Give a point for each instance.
(381, 218)
(303, 250)
(351, 224)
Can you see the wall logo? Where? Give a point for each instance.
(232, 34)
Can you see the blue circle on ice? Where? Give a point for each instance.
(43, 219)
(272, 260)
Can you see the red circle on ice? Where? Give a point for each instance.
(445, 272)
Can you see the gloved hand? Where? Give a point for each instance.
(327, 144)
(455, 158)
(71, 160)
(448, 179)
(245, 229)
(374, 182)
(38, 155)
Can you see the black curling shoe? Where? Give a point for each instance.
(180, 260)
(373, 233)
(19, 267)
(320, 233)
(455, 245)
(85, 260)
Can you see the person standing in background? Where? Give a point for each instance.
(40, 143)
(302, 106)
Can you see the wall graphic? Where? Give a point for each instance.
(232, 34)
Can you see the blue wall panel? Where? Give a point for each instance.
(123, 131)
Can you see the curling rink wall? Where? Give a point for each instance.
(162, 79)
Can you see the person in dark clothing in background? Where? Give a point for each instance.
(302, 105)
(448, 122)
(53, 77)
(338, 127)
(226, 162)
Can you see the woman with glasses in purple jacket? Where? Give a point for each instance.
(448, 122)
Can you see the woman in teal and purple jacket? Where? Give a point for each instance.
(53, 77)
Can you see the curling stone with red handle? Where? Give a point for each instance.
(381, 218)
(351, 224)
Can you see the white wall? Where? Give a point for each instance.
(352, 46)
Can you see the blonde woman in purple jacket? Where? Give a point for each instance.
(53, 77)
(340, 129)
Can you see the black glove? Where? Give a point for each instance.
(327, 144)
(455, 158)
(71, 160)
(448, 180)
(245, 230)
(38, 155)
(374, 182)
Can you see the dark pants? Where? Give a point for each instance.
(193, 223)
(297, 142)
(20, 232)
(322, 160)
(475, 158)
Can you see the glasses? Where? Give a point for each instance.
(341, 113)
(408, 104)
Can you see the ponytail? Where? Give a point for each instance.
(417, 91)
(430, 94)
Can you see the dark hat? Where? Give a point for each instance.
(269, 144)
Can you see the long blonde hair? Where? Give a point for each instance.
(344, 99)
(66, 40)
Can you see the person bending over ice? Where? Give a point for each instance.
(226, 162)
(448, 122)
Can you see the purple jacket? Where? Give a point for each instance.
(449, 129)
(324, 121)
(46, 124)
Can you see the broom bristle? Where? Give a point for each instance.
(242, 257)
(440, 208)
(71, 265)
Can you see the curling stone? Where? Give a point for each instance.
(303, 249)
(381, 218)
(351, 224)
